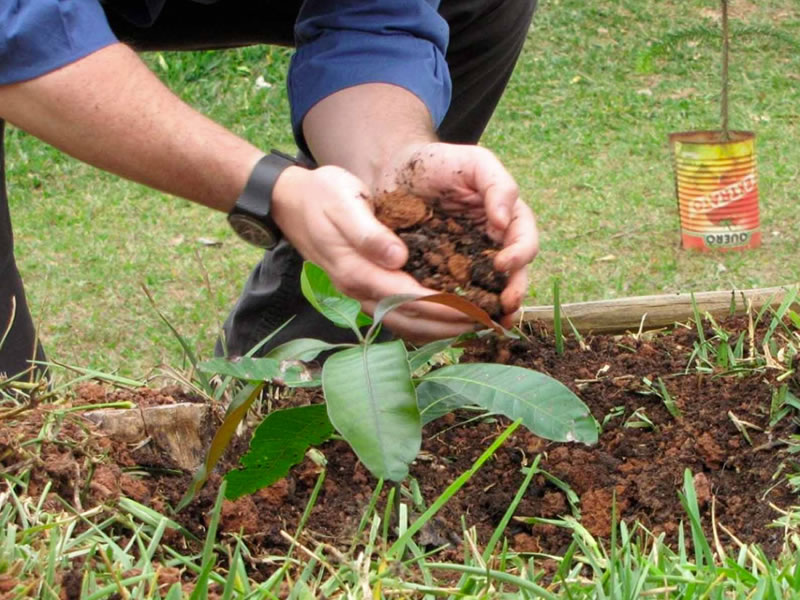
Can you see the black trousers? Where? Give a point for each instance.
(19, 346)
(486, 37)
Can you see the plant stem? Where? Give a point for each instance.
(557, 329)
(724, 99)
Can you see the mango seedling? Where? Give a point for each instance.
(378, 395)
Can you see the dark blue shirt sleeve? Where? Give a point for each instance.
(342, 43)
(39, 36)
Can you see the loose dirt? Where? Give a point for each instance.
(723, 435)
(446, 253)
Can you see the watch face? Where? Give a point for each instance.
(252, 231)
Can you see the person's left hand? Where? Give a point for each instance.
(470, 181)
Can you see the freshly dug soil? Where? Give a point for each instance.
(446, 253)
(723, 435)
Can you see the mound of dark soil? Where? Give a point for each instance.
(723, 434)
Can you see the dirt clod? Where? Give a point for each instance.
(446, 253)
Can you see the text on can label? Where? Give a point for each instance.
(722, 197)
(727, 239)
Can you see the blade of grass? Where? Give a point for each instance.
(11, 318)
(151, 517)
(211, 533)
(702, 549)
(668, 400)
(204, 380)
(777, 319)
(107, 590)
(452, 489)
(512, 508)
(557, 327)
(524, 584)
(200, 591)
(698, 321)
(232, 582)
(312, 501)
(387, 513)
(233, 416)
(468, 588)
(365, 517)
(764, 309)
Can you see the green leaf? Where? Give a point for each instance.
(305, 349)
(546, 406)
(459, 303)
(288, 373)
(323, 296)
(419, 358)
(389, 303)
(372, 404)
(437, 400)
(279, 443)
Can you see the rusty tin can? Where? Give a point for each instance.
(717, 188)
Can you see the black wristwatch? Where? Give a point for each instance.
(250, 218)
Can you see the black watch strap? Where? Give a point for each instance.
(256, 198)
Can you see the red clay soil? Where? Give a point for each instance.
(446, 253)
(640, 465)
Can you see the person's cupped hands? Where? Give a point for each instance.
(470, 181)
(327, 215)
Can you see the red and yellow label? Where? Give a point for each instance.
(717, 188)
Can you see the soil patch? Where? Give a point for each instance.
(723, 434)
(446, 253)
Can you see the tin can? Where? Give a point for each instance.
(717, 188)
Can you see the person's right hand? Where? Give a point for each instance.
(327, 216)
(470, 181)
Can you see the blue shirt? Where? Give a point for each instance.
(340, 43)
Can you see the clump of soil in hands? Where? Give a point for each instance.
(445, 253)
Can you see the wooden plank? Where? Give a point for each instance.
(652, 312)
(168, 436)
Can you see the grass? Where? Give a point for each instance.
(585, 131)
(583, 127)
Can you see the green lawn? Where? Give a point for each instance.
(585, 132)
(583, 127)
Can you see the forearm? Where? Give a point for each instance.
(110, 111)
(368, 129)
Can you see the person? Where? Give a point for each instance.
(374, 87)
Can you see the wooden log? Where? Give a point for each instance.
(168, 436)
(653, 312)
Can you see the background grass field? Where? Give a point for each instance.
(583, 127)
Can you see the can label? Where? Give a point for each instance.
(726, 240)
(717, 189)
(723, 197)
